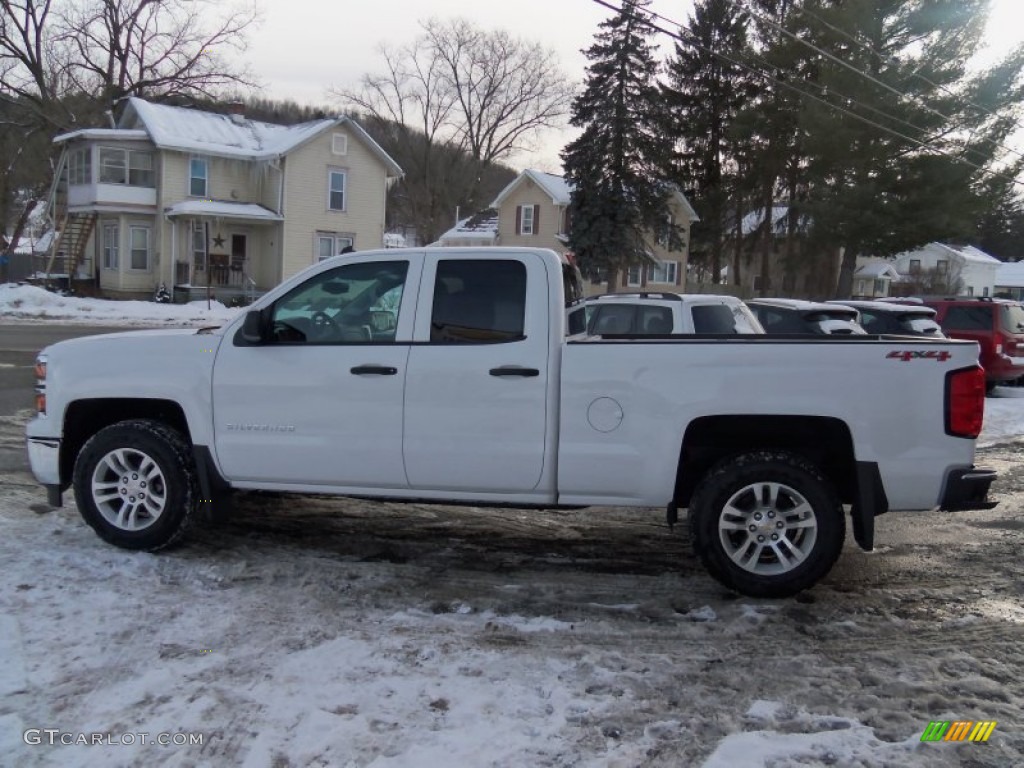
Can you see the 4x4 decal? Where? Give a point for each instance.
(908, 355)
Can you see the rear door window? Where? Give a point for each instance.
(968, 318)
(478, 301)
(613, 318)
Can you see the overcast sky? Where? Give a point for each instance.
(303, 47)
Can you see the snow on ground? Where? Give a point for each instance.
(28, 302)
(338, 632)
(1004, 415)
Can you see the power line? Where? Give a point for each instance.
(866, 75)
(789, 86)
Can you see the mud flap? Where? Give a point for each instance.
(214, 491)
(870, 502)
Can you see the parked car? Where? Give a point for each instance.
(655, 314)
(996, 324)
(799, 316)
(906, 319)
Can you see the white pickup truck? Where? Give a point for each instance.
(446, 374)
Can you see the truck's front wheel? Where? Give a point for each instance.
(767, 524)
(135, 484)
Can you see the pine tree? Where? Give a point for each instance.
(707, 86)
(617, 165)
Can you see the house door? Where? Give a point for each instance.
(239, 246)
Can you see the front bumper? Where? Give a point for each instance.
(44, 458)
(967, 488)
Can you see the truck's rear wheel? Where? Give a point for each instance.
(767, 524)
(135, 484)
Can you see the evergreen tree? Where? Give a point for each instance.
(906, 162)
(617, 165)
(706, 89)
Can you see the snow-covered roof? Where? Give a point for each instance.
(472, 228)
(394, 240)
(209, 133)
(961, 253)
(105, 134)
(556, 187)
(1010, 275)
(877, 269)
(560, 190)
(753, 220)
(223, 209)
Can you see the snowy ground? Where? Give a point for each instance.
(326, 632)
(29, 303)
(332, 632)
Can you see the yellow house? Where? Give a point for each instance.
(199, 200)
(533, 211)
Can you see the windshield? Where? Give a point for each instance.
(1013, 318)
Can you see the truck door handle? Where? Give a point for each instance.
(514, 370)
(379, 370)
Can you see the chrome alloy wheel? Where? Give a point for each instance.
(767, 528)
(129, 489)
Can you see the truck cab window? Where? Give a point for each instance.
(478, 301)
(353, 303)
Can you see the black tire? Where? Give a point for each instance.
(806, 510)
(148, 473)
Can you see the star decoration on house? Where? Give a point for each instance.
(218, 241)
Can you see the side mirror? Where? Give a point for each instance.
(253, 327)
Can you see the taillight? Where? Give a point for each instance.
(1000, 343)
(40, 372)
(965, 402)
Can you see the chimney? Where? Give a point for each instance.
(236, 111)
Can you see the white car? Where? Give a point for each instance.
(660, 314)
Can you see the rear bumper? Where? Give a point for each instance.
(967, 488)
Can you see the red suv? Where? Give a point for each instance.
(996, 324)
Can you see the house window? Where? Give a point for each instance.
(336, 190)
(758, 282)
(113, 166)
(199, 245)
(970, 290)
(126, 166)
(915, 266)
(332, 243)
(634, 276)
(339, 144)
(984, 291)
(942, 267)
(663, 272)
(198, 177)
(109, 246)
(527, 219)
(879, 287)
(80, 167)
(665, 235)
(139, 244)
(140, 169)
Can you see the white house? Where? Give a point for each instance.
(474, 231)
(975, 269)
(1010, 280)
(192, 198)
(873, 278)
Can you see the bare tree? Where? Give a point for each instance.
(450, 104)
(63, 63)
(936, 281)
(156, 47)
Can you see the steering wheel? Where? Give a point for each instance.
(323, 325)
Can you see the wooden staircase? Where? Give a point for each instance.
(73, 236)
